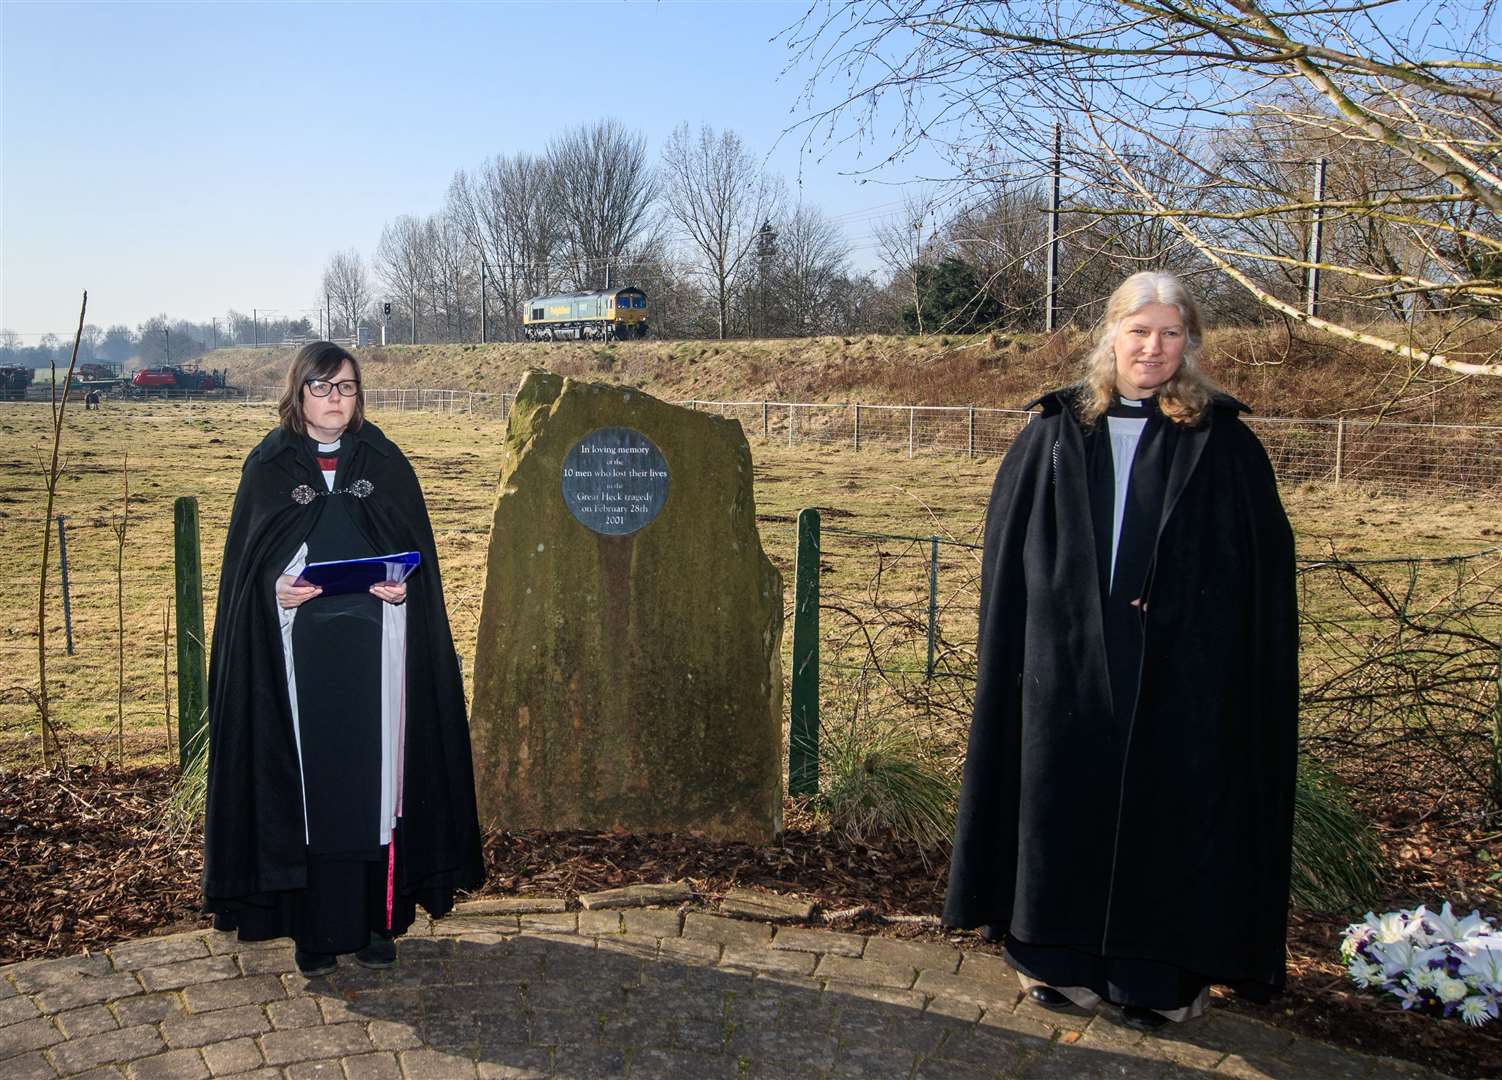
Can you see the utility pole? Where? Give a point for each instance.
(484, 330)
(1316, 241)
(917, 261)
(766, 248)
(215, 323)
(328, 317)
(255, 326)
(1051, 310)
(166, 346)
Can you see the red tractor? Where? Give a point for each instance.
(175, 381)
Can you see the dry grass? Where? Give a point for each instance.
(179, 449)
(1277, 374)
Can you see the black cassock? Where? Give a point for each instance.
(1127, 808)
(327, 819)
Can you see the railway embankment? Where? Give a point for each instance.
(1277, 375)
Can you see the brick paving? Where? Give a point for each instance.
(487, 994)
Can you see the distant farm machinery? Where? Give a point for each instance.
(18, 382)
(168, 380)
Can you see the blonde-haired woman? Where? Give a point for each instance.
(1126, 816)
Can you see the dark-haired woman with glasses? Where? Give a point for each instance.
(340, 793)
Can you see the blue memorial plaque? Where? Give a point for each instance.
(615, 480)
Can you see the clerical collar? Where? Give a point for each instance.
(328, 447)
(1126, 408)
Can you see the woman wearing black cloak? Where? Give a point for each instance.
(1126, 817)
(340, 791)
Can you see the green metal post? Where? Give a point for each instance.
(1497, 741)
(192, 676)
(803, 727)
(933, 602)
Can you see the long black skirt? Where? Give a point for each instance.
(343, 904)
(1149, 984)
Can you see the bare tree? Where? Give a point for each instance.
(347, 283)
(602, 194)
(503, 210)
(901, 241)
(1135, 82)
(720, 197)
(1004, 237)
(401, 262)
(811, 261)
(50, 478)
(452, 276)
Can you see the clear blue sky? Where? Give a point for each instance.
(190, 158)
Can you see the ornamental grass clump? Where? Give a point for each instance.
(1436, 964)
(875, 780)
(1337, 863)
(184, 810)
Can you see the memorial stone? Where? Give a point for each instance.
(628, 662)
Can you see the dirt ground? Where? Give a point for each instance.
(89, 863)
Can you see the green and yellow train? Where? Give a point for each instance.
(611, 315)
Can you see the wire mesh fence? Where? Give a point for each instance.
(1450, 458)
(1453, 458)
(1399, 660)
(496, 405)
(1447, 457)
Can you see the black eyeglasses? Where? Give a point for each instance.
(323, 388)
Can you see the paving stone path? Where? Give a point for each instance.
(578, 995)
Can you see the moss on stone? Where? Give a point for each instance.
(629, 681)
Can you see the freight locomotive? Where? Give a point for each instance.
(610, 315)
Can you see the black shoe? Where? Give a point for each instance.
(380, 953)
(1142, 1019)
(314, 963)
(1048, 998)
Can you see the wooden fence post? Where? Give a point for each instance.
(857, 426)
(192, 674)
(970, 441)
(912, 427)
(803, 726)
(1340, 448)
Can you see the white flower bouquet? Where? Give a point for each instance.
(1432, 963)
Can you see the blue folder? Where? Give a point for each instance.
(358, 575)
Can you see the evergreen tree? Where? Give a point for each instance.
(953, 299)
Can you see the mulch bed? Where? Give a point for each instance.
(86, 863)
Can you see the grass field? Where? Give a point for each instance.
(179, 449)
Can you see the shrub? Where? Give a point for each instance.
(877, 779)
(1337, 865)
(185, 805)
